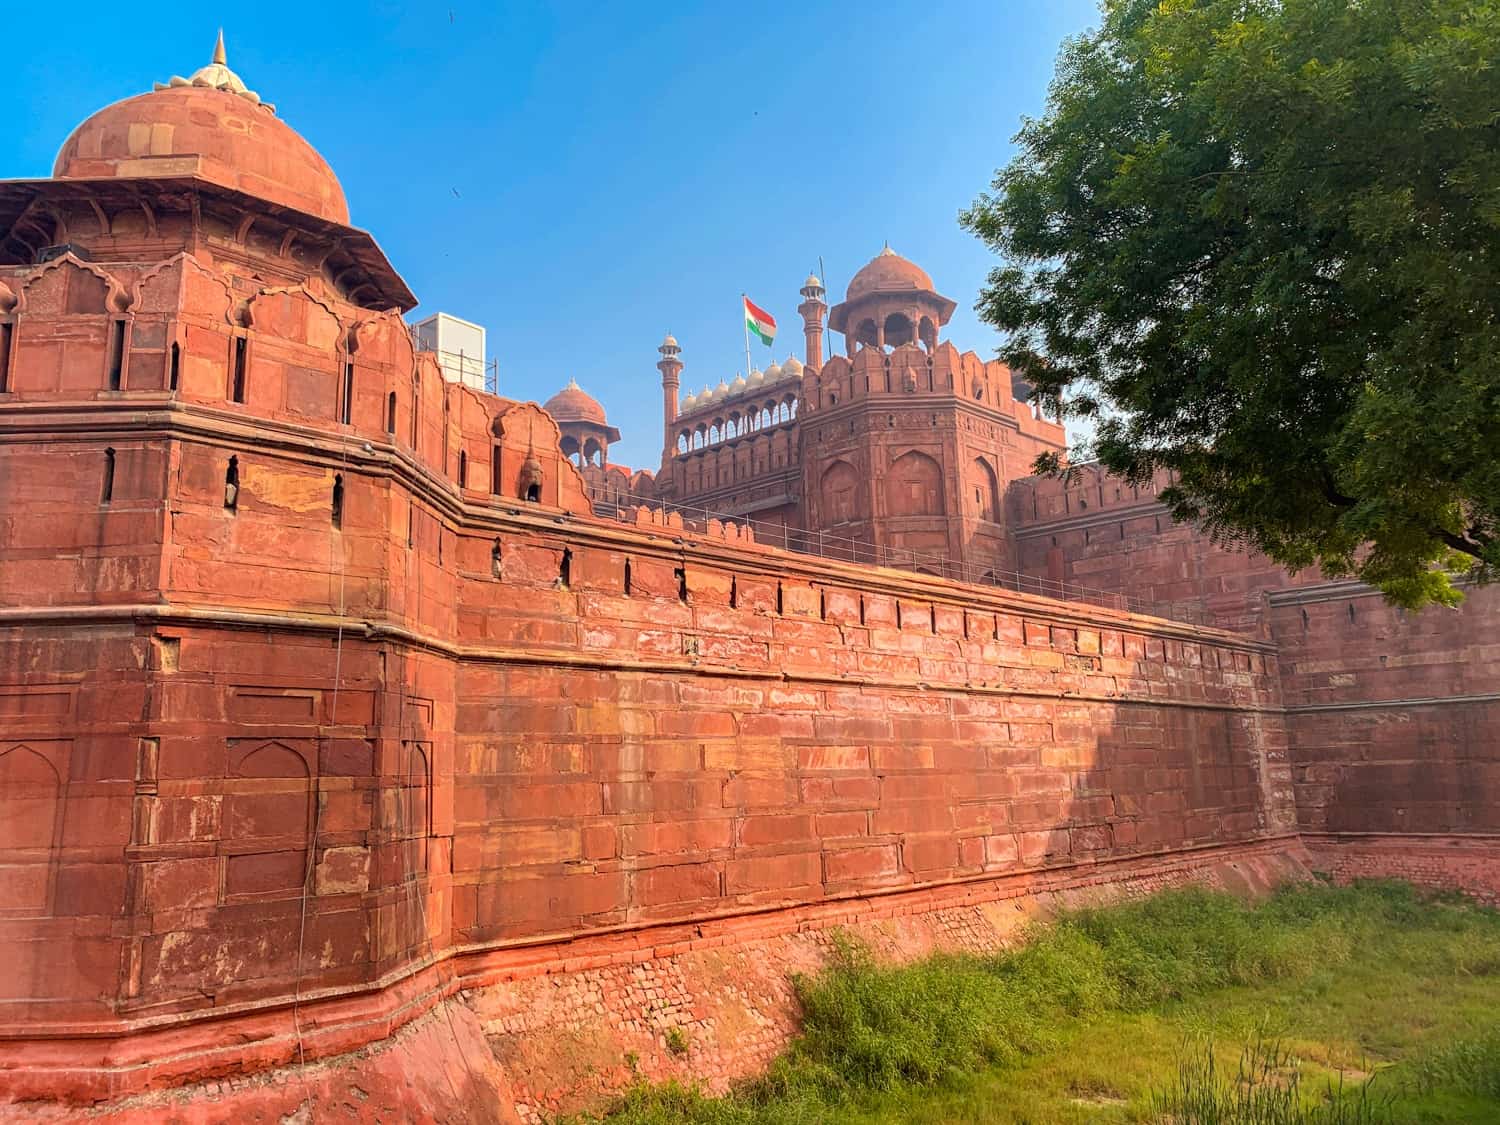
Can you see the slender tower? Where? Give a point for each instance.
(670, 366)
(813, 309)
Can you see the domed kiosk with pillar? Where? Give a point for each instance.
(199, 164)
(212, 414)
(586, 432)
(891, 301)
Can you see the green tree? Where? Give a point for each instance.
(1257, 243)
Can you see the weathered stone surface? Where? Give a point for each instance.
(323, 695)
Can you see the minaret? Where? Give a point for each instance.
(813, 308)
(670, 367)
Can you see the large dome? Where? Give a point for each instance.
(574, 404)
(208, 126)
(886, 272)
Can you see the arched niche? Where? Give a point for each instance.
(267, 820)
(840, 494)
(914, 486)
(985, 487)
(68, 287)
(414, 806)
(30, 816)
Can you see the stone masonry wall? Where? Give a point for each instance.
(1393, 717)
(322, 698)
(244, 809)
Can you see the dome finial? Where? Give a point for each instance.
(219, 56)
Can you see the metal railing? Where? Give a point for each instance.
(462, 367)
(841, 548)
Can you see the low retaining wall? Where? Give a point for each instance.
(563, 1025)
(1470, 864)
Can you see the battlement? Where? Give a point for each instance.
(911, 372)
(1077, 494)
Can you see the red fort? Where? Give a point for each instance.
(370, 746)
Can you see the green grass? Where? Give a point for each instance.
(1316, 1006)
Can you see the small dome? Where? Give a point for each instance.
(721, 390)
(738, 385)
(757, 378)
(773, 373)
(574, 404)
(812, 282)
(885, 272)
(689, 402)
(792, 368)
(212, 127)
(670, 341)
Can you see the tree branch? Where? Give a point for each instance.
(1462, 545)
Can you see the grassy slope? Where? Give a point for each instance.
(1092, 1015)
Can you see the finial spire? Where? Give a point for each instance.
(217, 76)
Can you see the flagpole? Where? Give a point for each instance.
(745, 316)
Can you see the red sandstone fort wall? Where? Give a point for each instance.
(524, 726)
(1095, 530)
(1395, 721)
(1393, 717)
(318, 705)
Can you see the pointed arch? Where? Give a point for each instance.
(985, 485)
(67, 285)
(840, 493)
(267, 819)
(415, 806)
(914, 486)
(30, 814)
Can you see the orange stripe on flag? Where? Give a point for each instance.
(759, 313)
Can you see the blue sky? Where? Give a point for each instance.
(581, 178)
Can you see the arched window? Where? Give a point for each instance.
(898, 330)
(346, 411)
(237, 387)
(7, 330)
(116, 354)
(232, 485)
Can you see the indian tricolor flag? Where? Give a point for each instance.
(762, 323)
